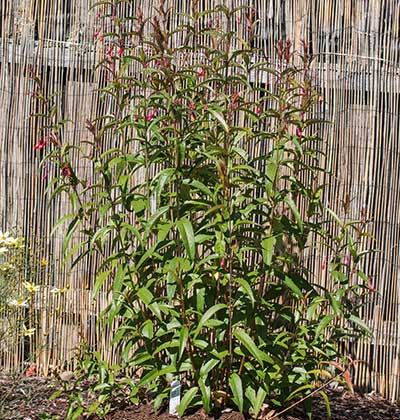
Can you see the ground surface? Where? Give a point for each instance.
(28, 399)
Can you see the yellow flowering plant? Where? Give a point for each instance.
(21, 270)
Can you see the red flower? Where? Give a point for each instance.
(299, 132)
(40, 144)
(222, 264)
(371, 286)
(323, 265)
(150, 115)
(347, 261)
(109, 52)
(66, 171)
(201, 72)
(120, 51)
(258, 110)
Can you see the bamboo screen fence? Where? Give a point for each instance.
(356, 44)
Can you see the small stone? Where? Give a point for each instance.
(67, 376)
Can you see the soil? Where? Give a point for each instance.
(29, 399)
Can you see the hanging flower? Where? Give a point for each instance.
(120, 51)
(201, 72)
(371, 286)
(66, 171)
(258, 110)
(347, 261)
(40, 144)
(222, 264)
(299, 132)
(150, 115)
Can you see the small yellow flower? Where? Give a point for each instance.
(7, 240)
(5, 267)
(43, 263)
(28, 332)
(30, 287)
(56, 290)
(21, 302)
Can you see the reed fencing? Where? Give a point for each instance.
(356, 47)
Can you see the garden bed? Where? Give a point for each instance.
(28, 399)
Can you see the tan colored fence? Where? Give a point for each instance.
(356, 45)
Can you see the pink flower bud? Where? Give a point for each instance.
(371, 286)
(40, 144)
(323, 265)
(299, 133)
(258, 110)
(120, 51)
(150, 115)
(347, 261)
(222, 264)
(201, 72)
(66, 171)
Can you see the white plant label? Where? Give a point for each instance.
(175, 397)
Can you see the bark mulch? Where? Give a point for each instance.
(28, 399)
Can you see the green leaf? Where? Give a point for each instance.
(235, 383)
(100, 279)
(327, 404)
(205, 394)
(361, 324)
(207, 315)
(145, 295)
(299, 389)
(207, 366)
(186, 400)
(256, 400)
(335, 217)
(149, 377)
(292, 286)
(295, 212)
(248, 342)
(220, 118)
(246, 288)
(323, 324)
(186, 231)
(268, 245)
(183, 336)
(155, 217)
